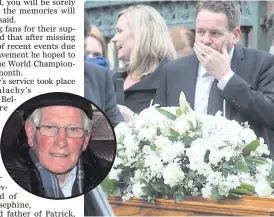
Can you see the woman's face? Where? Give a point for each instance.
(123, 39)
(94, 48)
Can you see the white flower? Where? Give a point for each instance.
(147, 134)
(263, 189)
(137, 189)
(215, 156)
(224, 188)
(173, 175)
(215, 178)
(117, 162)
(137, 175)
(170, 152)
(154, 165)
(233, 181)
(247, 135)
(121, 130)
(114, 174)
(206, 191)
(204, 169)
(131, 145)
(162, 141)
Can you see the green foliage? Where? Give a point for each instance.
(215, 194)
(242, 166)
(174, 132)
(178, 196)
(111, 187)
(256, 160)
(244, 189)
(250, 147)
(166, 113)
(173, 138)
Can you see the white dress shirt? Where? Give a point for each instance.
(68, 183)
(203, 85)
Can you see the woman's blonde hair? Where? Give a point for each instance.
(152, 42)
(95, 33)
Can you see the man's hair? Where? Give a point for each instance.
(231, 9)
(35, 118)
(152, 42)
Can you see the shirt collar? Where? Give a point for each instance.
(71, 177)
(202, 71)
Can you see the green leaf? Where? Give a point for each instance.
(173, 190)
(191, 174)
(166, 113)
(201, 179)
(257, 160)
(248, 187)
(242, 166)
(160, 187)
(173, 138)
(140, 165)
(250, 147)
(241, 191)
(110, 187)
(165, 196)
(148, 191)
(174, 132)
(143, 181)
(215, 194)
(178, 196)
(182, 102)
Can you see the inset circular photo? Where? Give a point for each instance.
(58, 145)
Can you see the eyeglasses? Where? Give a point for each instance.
(72, 132)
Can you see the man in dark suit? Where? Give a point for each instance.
(222, 75)
(99, 87)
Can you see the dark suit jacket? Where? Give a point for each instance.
(99, 89)
(249, 94)
(138, 96)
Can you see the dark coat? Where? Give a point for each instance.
(138, 96)
(99, 90)
(20, 167)
(249, 94)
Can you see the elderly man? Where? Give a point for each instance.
(223, 74)
(55, 162)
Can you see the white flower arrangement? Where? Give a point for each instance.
(174, 151)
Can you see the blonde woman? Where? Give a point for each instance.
(143, 41)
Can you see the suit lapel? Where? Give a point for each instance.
(189, 80)
(236, 67)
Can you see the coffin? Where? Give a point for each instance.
(246, 206)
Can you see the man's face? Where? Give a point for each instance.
(212, 30)
(59, 153)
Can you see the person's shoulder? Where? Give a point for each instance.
(181, 61)
(92, 69)
(257, 53)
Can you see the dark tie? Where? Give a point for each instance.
(214, 100)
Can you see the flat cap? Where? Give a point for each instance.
(55, 99)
